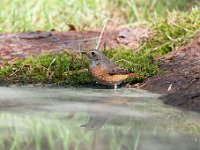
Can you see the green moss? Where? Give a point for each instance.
(48, 68)
(68, 68)
(139, 63)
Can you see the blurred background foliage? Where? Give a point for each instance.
(23, 15)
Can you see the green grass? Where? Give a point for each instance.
(23, 15)
(173, 31)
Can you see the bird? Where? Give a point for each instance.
(105, 71)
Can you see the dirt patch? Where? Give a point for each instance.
(22, 45)
(180, 79)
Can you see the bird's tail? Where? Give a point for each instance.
(134, 75)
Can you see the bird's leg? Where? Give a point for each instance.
(115, 89)
(115, 86)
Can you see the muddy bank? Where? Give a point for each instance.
(180, 78)
(23, 45)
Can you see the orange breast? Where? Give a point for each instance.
(103, 77)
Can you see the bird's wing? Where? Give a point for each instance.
(118, 70)
(113, 68)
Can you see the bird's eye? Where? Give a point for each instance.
(93, 54)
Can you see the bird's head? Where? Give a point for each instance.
(94, 56)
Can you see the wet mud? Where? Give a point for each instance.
(180, 78)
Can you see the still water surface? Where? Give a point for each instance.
(100, 119)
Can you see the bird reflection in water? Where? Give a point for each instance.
(103, 110)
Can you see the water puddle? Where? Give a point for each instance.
(100, 119)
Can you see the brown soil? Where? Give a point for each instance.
(22, 45)
(180, 79)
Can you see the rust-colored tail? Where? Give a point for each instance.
(134, 75)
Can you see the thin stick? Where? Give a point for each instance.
(100, 37)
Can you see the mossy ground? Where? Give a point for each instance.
(70, 68)
(172, 31)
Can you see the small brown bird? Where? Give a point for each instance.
(104, 71)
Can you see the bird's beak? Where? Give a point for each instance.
(83, 52)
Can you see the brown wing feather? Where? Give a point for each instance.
(113, 68)
(118, 70)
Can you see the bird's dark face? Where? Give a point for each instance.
(94, 56)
